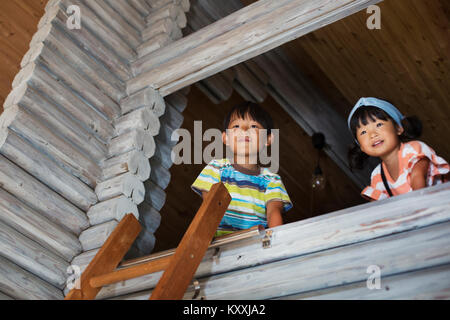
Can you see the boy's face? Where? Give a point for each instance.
(245, 137)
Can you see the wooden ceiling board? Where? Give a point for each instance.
(18, 23)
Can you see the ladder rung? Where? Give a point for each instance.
(130, 272)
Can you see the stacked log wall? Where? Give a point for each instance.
(76, 151)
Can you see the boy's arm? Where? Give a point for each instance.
(274, 209)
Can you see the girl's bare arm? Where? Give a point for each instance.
(419, 174)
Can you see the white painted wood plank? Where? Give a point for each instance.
(23, 285)
(83, 260)
(35, 76)
(45, 170)
(204, 35)
(143, 118)
(55, 61)
(32, 257)
(95, 237)
(40, 198)
(156, 4)
(126, 184)
(427, 284)
(133, 161)
(141, 6)
(151, 45)
(168, 11)
(259, 34)
(136, 139)
(61, 123)
(129, 13)
(41, 137)
(166, 26)
(94, 72)
(4, 297)
(112, 209)
(37, 227)
(116, 22)
(145, 98)
(101, 31)
(99, 49)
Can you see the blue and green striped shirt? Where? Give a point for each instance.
(249, 194)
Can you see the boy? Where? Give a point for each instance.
(257, 195)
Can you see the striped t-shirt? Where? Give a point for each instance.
(249, 194)
(408, 155)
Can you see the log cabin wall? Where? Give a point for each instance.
(76, 149)
(22, 221)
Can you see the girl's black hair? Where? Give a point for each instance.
(255, 111)
(412, 130)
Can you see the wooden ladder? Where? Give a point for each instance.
(179, 268)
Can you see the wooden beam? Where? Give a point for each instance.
(108, 258)
(242, 35)
(190, 252)
(425, 284)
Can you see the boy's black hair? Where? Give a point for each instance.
(255, 111)
(412, 130)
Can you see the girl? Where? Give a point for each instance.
(381, 131)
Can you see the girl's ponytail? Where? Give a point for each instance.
(413, 128)
(356, 158)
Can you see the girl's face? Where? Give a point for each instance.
(243, 136)
(378, 138)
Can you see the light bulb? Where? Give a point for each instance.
(318, 180)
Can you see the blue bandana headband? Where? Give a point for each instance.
(387, 107)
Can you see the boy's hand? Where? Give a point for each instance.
(273, 210)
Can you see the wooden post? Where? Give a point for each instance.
(190, 252)
(246, 33)
(108, 258)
